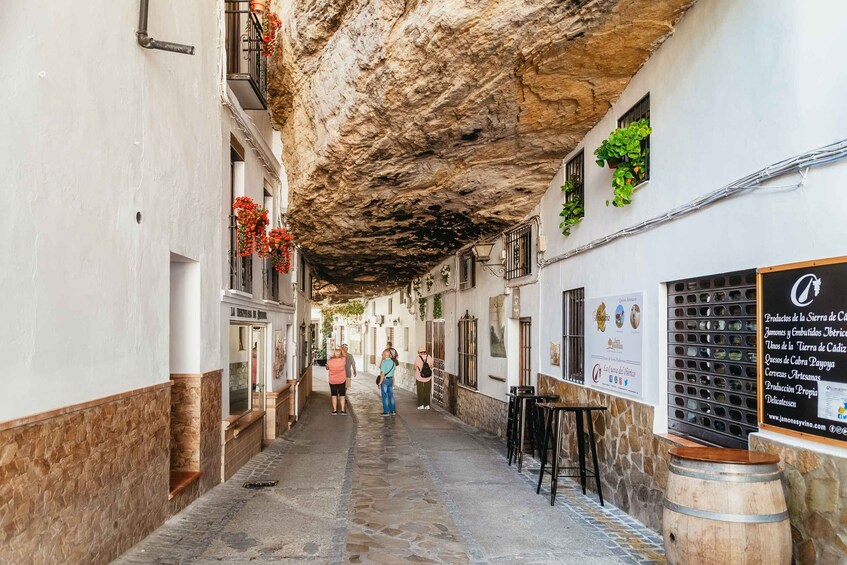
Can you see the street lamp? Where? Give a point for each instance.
(482, 251)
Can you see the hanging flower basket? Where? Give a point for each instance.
(279, 247)
(258, 6)
(271, 24)
(252, 221)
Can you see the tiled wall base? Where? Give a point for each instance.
(86, 485)
(277, 412)
(196, 433)
(241, 442)
(633, 460)
(481, 411)
(815, 486)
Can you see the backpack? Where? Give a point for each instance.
(426, 370)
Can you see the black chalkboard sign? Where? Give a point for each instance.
(802, 349)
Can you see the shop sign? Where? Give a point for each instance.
(247, 313)
(613, 339)
(802, 349)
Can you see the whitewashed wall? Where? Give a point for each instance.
(94, 130)
(739, 86)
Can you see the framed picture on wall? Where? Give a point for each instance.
(497, 325)
(555, 355)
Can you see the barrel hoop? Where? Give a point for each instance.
(723, 517)
(725, 467)
(724, 477)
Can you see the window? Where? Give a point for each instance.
(575, 171)
(712, 358)
(640, 111)
(518, 252)
(373, 308)
(389, 338)
(390, 306)
(240, 268)
(467, 270)
(573, 335)
(467, 351)
(405, 339)
(301, 272)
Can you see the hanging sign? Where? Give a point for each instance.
(613, 342)
(802, 349)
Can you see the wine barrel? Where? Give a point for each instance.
(725, 506)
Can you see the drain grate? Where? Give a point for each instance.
(260, 484)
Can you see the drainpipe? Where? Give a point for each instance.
(149, 43)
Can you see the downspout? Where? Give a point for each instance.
(149, 43)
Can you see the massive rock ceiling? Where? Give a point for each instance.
(413, 127)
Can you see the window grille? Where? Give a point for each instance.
(573, 335)
(518, 252)
(575, 171)
(270, 279)
(640, 111)
(390, 306)
(302, 272)
(468, 351)
(467, 271)
(389, 337)
(712, 358)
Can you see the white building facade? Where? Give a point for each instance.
(740, 89)
(120, 291)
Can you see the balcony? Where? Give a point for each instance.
(246, 66)
(240, 268)
(270, 280)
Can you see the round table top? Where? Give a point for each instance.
(724, 455)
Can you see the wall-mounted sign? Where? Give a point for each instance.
(802, 349)
(613, 342)
(247, 313)
(516, 303)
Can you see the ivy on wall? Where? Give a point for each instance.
(436, 306)
(422, 307)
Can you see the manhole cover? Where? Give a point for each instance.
(260, 484)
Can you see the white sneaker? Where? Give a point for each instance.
(421, 407)
(426, 407)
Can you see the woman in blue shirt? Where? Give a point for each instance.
(386, 383)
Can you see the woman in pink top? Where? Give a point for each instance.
(337, 369)
(423, 382)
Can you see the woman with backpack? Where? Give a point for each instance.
(423, 378)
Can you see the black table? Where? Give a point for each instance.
(521, 410)
(551, 411)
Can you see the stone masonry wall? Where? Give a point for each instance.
(87, 484)
(239, 449)
(481, 411)
(633, 460)
(815, 488)
(203, 437)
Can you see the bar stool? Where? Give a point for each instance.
(551, 411)
(522, 423)
(512, 421)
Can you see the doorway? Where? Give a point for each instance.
(525, 346)
(248, 370)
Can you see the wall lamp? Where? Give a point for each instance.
(482, 252)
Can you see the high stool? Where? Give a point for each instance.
(522, 408)
(551, 411)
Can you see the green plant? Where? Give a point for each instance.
(625, 145)
(436, 306)
(573, 209)
(429, 281)
(422, 308)
(416, 286)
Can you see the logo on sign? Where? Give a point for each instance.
(595, 373)
(805, 290)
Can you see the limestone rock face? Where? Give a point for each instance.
(413, 127)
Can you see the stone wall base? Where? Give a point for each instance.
(815, 486)
(85, 483)
(241, 441)
(277, 412)
(481, 411)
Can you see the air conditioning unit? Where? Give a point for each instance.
(377, 320)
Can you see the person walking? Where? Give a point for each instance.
(337, 381)
(423, 378)
(349, 364)
(386, 383)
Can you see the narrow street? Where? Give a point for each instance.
(420, 487)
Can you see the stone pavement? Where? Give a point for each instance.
(419, 487)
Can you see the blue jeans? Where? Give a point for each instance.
(387, 389)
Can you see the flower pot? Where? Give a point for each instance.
(613, 162)
(258, 6)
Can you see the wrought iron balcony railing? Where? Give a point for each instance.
(240, 268)
(246, 65)
(270, 279)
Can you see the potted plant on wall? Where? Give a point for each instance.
(445, 274)
(278, 248)
(625, 152)
(252, 220)
(271, 24)
(429, 281)
(258, 6)
(573, 208)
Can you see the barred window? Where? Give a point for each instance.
(712, 358)
(573, 335)
(389, 337)
(640, 111)
(467, 351)
(519, 252)
(390, 306)
(575, 171)
(467, 271)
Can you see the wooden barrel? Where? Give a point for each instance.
(725, 506)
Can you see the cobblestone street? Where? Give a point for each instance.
(420, 487)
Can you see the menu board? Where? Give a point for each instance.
(802, 351)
